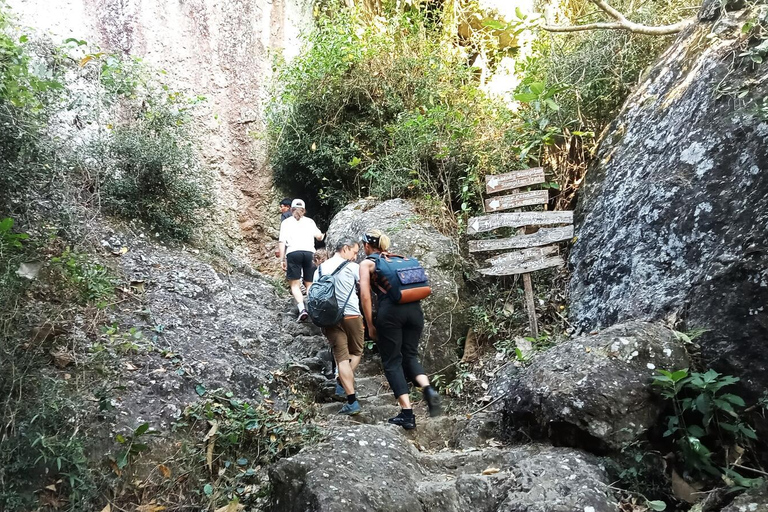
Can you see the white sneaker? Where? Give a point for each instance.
(303, 316)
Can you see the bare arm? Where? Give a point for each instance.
(366, 269)
(281, 250)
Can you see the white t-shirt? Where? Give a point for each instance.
(345, 282)
(298, 235)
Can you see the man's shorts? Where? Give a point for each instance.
(346, 338)
(298, 262)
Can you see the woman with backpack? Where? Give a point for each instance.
(397, 327)
(297, 245)
(348, 335)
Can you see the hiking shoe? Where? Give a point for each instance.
(433, 401)
(407, 422)
(340, 390)
(303, 316)
(351, 409)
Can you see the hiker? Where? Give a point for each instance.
(397, 328)
(285, 209)
(347, 336)
(285, 212)
(296, 248)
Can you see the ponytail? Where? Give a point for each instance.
(378, 239)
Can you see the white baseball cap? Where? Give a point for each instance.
(297, 203)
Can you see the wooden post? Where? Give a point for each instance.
(530, 304)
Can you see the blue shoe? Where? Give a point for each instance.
(340, 390)
(351, 409)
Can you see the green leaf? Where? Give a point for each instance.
(526, 97)
(141, 429)
(537, 88)
(748, 432)
(734, 399)
(200, 389)
(656, 505)
(242, 461)
(208, 489)
(23, 39)
(702, 404)
(551, 104)
(139, 447)
(120, 438)
(6, 224)
(494, 24)
(696, 431)
(679, 374)
(728, 427)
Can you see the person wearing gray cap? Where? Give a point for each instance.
(296, 247)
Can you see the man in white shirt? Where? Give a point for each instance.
(297, 245)
(346, 337)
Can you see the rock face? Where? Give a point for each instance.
(411, 235)
(672, 223)
(208, 328)
(754, 500)
(219, 50)
(594, 391)
(375, 468)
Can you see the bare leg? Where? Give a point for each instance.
(347, 377)
(422, 380)
(307, 284)
(404, 401)
(296, 290)
(354, 361)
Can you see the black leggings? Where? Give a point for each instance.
(399, 328)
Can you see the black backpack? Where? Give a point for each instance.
(322, 306)
(402, 279)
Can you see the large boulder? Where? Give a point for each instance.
(754, 500)
(375, 468)
(673, 221)
(594, 391)
(412, 235)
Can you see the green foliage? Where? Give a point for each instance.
(8, 239)
(706, 421)
(131, 447)
(384, 109)
(152, 170)
(240, 438)
(44, 444)
(263, 433)
(89, 281)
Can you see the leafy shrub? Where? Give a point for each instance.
(87, 280)
(706, 423)
(383, 108)
(152, 170)
(25, 152)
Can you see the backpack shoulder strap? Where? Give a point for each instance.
(338, 269)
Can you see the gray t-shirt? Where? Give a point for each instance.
(345, 282)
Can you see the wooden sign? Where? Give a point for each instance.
(516, 200)
(516, 220)
(537, 254)
(517, 257)
(515, 179)
(508, 269)
(543, 236)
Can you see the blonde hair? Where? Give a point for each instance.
(298, 213)
(384, 242)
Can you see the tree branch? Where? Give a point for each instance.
(621, 23)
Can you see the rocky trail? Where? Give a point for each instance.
(238, 332)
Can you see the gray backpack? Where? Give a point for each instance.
(322, 306)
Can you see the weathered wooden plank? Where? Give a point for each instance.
(524, 268)
(515, 179)
(544, 236)
(516, 220)
(516, 200)
(517, 257)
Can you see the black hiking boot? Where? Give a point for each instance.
(433, 401)
(408, 422)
